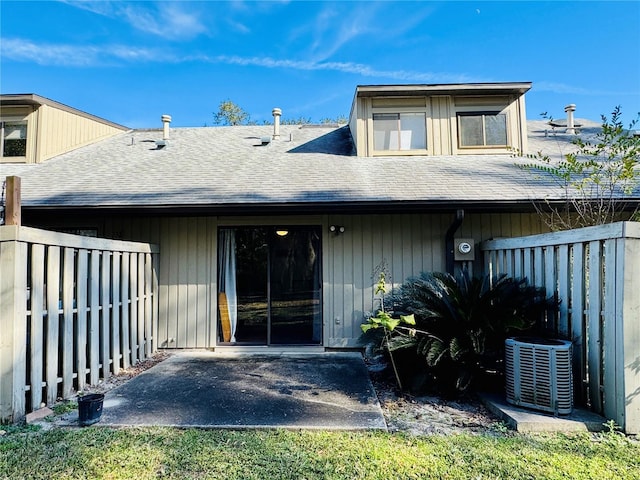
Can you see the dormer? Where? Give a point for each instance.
(451, 119)
(34, 128)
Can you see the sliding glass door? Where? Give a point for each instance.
(269, 286)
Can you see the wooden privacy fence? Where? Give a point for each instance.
(595, 272)
(72, 310)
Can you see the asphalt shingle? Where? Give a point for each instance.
(306, 165)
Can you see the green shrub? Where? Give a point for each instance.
(462, 323)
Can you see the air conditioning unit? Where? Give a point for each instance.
(538, 374)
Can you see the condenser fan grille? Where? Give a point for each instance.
(538, 374)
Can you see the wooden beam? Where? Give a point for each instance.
(13, 206)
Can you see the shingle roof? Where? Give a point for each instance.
(229, 167)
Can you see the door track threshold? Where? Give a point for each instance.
(268, 350)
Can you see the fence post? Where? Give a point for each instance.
(628, 333)
(14, 206)
(13, 325)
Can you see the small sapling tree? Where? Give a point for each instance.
(598, 179)
(390, 326)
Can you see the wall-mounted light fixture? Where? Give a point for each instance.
(336, 229)
(282, 233)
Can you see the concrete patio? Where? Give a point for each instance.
(216, 390)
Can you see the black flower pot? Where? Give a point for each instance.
(90, 408)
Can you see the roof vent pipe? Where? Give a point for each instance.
(166, 120)
(569, 109)
(276, 112)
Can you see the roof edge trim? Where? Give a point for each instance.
(443, 89)
(34, 99)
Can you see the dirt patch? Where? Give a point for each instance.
(127, 374)
(428, 415)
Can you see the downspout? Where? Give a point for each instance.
(448, 241)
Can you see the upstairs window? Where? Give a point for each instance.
(486, 129)
(14, 139)
(399, 131)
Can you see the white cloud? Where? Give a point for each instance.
(345, 67)
(331, 29)
(104, 8)
(238, 27)
(77, 56)
(563, 88)
(170, 20)
(559, 88)
(116, 54)
(339, 24)
(65, 55)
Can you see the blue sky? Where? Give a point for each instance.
(131, 62)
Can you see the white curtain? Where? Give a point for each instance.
(227, 275)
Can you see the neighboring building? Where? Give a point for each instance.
(34, 129)
(290, 222)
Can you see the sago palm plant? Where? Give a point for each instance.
(466, 321)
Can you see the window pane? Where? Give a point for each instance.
(496, 129)
(385, 131)
(470, 130)
(250, 270)
(296, 314)
(412, 131)
(15, 140)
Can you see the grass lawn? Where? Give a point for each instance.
(143, 453)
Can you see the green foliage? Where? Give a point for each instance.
(64, 407)
(390, 325)
(340, 119)
(18, 428)
(384, 320)
(457, 326)
(462, 323)
(145, 453)
(500, 427)
(230, 114)
(612, 434)
(611, 426)
(596, 179)
(296, 121)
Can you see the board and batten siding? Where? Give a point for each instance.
(441, 120)
(187, 278)
(440, 131)
(60, 131)
(408, 243)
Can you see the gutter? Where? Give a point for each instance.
(284, 208)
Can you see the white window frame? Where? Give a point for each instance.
(399, 111)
